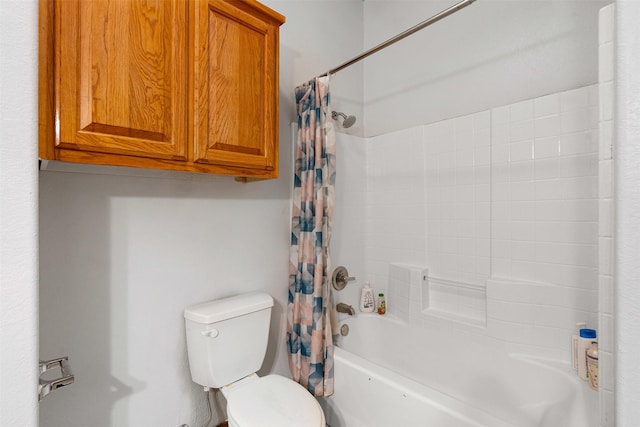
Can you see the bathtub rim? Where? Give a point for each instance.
(470, 414)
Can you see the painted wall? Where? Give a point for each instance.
(525, 48)
(121, 257)
(627, 211)
(18, 214)
(309, 47)
(123, 253)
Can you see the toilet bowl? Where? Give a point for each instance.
(226, 345)
(271, 401)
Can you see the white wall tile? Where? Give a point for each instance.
(605, 379)
(605, 299)
(575, 121)
(606, 24)
(605, 213)
(546, 105)
(583, 187)
(547, 126)
(607, 411)
(549, 210)
(605, 68)
(464, 124)
(523, 250)
(521, 130)
(606, 101)
(546, 168)
(579, 143)
(482, 156)
(521, 170)
(605, 190)
(579, 232)
(606, 140)
(594, 118)
(605, 334)
(500, 115)
(579, 210)
(606, 218)
(521, 111)
(464, 141)
(482, 229)
(521, 150)
(499, 131)
(578, 277)
(547, 147)
(500, 154)
(606, 256)
(522, 190)
(522, 211)
(576, 99)
(482, 175)
(501, 267)
(482, 136)
(549, 189)
(523, 231)
(464, 158)
(481, 121)
(594, 96)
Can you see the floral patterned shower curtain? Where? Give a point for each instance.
(311, 316)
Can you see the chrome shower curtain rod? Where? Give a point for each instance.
(407, 33)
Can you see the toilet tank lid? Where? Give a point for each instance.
(227, 308)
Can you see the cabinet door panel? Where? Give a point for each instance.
(235, 84)
(121, 70)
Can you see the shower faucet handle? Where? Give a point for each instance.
(340, 278)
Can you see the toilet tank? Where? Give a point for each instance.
(227, 338)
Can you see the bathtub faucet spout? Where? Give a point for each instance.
(345, 308)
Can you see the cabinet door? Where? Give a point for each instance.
(121, 77)
(236, 84)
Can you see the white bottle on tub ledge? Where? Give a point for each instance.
(592, 365)
(574, 345)
(587, 336)
(367, 302)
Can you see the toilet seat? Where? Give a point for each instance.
(273, 401)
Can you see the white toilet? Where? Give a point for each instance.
(226, 342)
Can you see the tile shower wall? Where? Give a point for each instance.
(605, 232)
(458, 198)
(510, 195)
(545, 189)
(394, 214)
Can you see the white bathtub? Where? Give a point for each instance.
(422, 378)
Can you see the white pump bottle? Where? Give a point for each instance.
(367, 301)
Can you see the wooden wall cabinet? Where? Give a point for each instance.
(187, 85)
